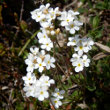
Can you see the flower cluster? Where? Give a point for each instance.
(39, 60)
(81, 45)
(70, 21)
(37, 88)
(45, 14)
(57, 95)
(42, 60)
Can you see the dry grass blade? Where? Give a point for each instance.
(100, 55)
(106, 48)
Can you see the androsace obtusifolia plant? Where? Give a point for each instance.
(41, 60)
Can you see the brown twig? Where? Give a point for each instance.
(72, 3)
(22, 9)
(18, 22)
(51, 105)
(21, 14)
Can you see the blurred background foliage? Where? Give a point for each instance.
(89, 90)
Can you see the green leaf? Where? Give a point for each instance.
(96, 21)
(98, 34)
(91, 88)
(100, 5)
(26, 44)
(82, 10)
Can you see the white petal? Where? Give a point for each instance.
(41, 98)
(77, 69)
(76, 28)
(52, 81)
(52, 59)
(46, 94)
(72, 31)
(52, 65)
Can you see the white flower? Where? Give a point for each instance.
(58, 94)
(31, 61)
(73, 40)
(30, 90)
(42, 36)
(43, 93)
(42, 54)
(47, 45)
(73, 14)
(73, 26)
(45, 23)
(41, 90)
(78, 65)
(65, 18)
(49, 61)
(86, 61)
(80, 48)
(46, 81)
(75, 57)
(44, 8)
(56, 102)
(29, 78)
(53, 13)
(40, 64)
(88, 42)
(34, 50)
(37, 15)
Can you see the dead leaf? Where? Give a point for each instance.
(100, 55)
(106, 48)
(72, 89)
(61, 40)
(82, 105)
(68, 107)
(5, 87)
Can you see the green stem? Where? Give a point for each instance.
(26, 44)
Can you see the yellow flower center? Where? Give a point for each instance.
(74, 41)
(58, 93)
(48, 62)
(47, 44)
(38, 16)
(81, 47)
(44, 36)
(53, 12)
(46, 81)
(29, 78)
(41, 92)
(79, 64)
(72, 26)
(84, 60)
(67, 20)
(55, 101)
(40, 64)
(44, 20)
